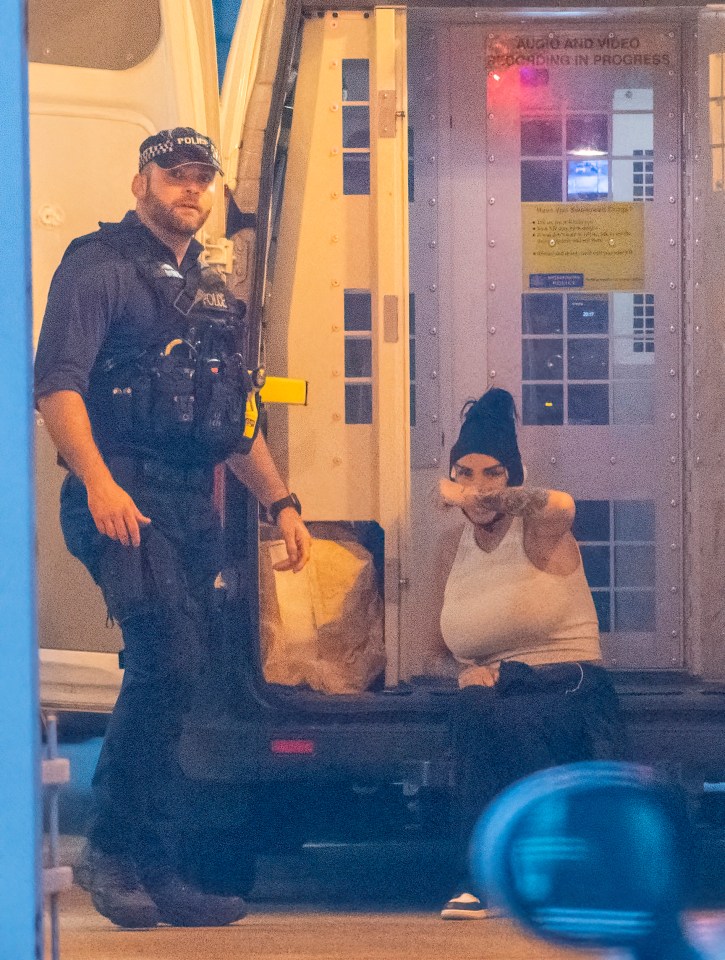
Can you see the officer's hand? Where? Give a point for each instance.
(114, 512)
(296, 538)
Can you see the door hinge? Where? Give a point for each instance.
(390, 318)
(386, 113)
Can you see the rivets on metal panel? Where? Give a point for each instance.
(552, 242)
(334, 195)
(672, 241)
(673, 459)
(673, 546)
(673, 373)
(434, 374)
(492, 330)
(697, 373)
(670, 35)
(673, 589)
(492, 243)
(551, 36)
(335, 327)
(433, 287)
(432, 117)
(671, 115)
(334, 63)
(337, 461)
(334, 151)
(491, 158)
(432, 244)
(432, 202)
(435, 461)
(672, 158)
(335, 283)
(673, 416)
(670, 73)
(552, 461)
(336, 417)
(674, 633)
(673, 503)
(697, 156)
(674, 661)
(434, 418)
(672, 328)
(697, 328)
(611, 241)
(334, 238)
(336, 373)
(490, 116)
(434, 331)
(432, 158)
(673, 285)
(610, 35)
(672, 199)
(698, 459)
(334, 107)
(492, 200)
(492, 286)
(612, 460)
(492, 374)
(491, 36)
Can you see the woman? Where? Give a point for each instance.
(519, 618)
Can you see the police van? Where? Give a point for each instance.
(421, 200)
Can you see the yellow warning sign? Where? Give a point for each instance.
(589, 246)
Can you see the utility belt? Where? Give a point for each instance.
(131, 469)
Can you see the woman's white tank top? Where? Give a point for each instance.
(499, 606)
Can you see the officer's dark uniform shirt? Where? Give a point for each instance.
(99, 307)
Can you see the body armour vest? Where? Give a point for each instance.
(187, 397)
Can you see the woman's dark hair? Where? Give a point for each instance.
(489, 427)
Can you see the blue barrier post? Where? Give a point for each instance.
(19, 716)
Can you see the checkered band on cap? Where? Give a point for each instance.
(155, 150)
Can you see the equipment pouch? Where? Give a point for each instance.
(173, 397)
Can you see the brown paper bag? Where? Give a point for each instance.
(322, 627)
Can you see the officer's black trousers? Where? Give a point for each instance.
(531, 719)
(160, 594)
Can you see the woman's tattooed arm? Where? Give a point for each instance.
(515, 501)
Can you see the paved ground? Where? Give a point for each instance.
(299, 911)
(301, 933)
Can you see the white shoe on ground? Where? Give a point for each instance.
(465, 906)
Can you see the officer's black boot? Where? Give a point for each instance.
(115, 888)
(185, 906)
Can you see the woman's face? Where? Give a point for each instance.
(480, 474)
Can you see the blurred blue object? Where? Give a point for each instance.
(19, 712)
(590, 855)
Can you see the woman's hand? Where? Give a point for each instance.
(478, 677)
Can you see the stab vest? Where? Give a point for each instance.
(189, 395)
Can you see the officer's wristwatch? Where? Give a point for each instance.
(291, 500)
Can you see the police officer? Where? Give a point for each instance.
(143, 384)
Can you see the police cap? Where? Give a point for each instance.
(177, 147)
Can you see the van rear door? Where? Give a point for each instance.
(102, 77)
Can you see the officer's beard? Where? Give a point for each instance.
(171, 220)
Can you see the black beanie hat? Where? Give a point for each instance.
(490, 428)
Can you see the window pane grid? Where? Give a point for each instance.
(613, 564)
(355, 127)
(357, 359)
